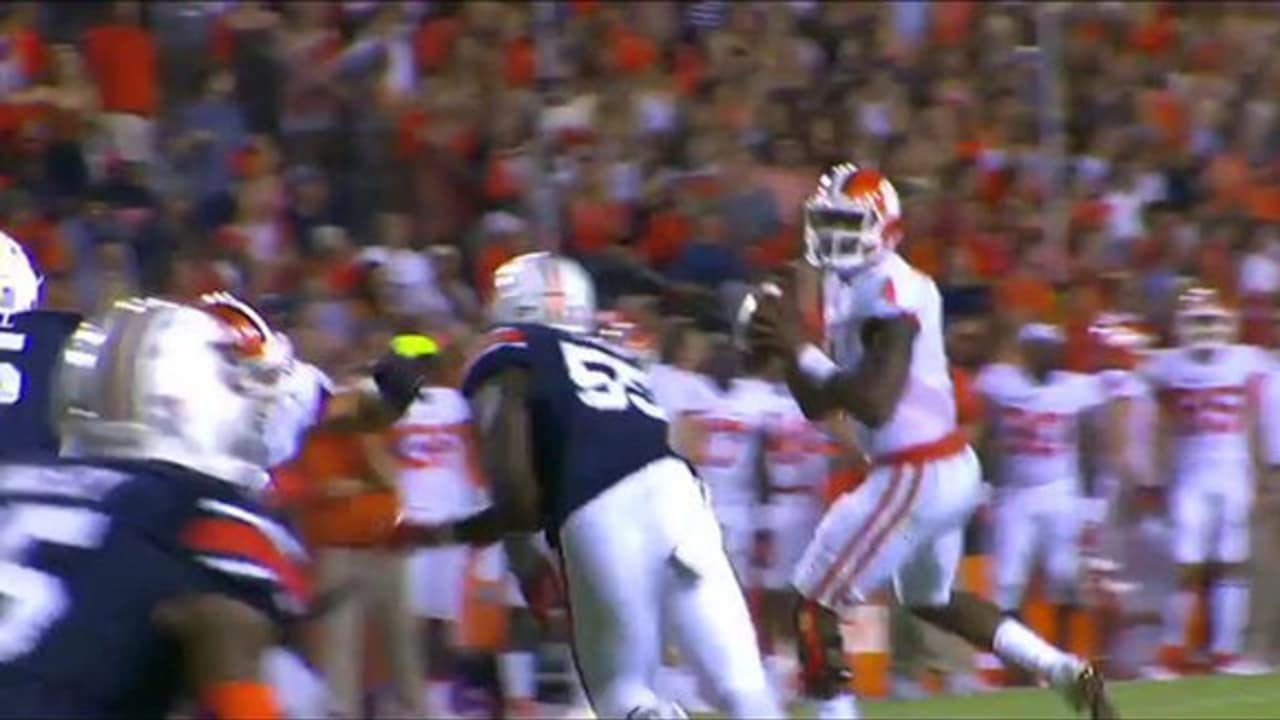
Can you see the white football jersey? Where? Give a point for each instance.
(1209, 403)
(797, 452)
(431, 446)
(1037, 424)
(678, 391)
(927, 411)
(734, 424)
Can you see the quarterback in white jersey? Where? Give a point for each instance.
(1208, 389)
(888, 369)
(1039, 418)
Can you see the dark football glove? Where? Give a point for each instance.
(398, 379)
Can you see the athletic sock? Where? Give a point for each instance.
(517, 671)
(840, 707)
(1016, 643)
(1229, 599)
(437, 699)
(1176, 612)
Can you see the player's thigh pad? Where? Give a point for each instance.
(1060, 549)
(1231, 541)
(436, 581)
(617, 552)
(708, 617)
(792, 524)
(1192, 509)
(863, 538)
(953, 488)
(1013, 530)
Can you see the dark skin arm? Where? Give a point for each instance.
(506, 449)
(222, 640)
(869, 392)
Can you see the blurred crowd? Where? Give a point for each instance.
(347, 159)
(360, 168)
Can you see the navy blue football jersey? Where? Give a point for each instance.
(90, 552)
(29, 350)
(593, 417)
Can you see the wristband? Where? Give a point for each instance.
(815, 364)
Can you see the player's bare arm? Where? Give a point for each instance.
(223, 641)
(376, 400)
(688, 437)
(840, 428)
(500, 409)
(869, 392)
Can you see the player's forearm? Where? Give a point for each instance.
(869, 392)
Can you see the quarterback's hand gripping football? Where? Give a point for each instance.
(775, 327)
(405, 534)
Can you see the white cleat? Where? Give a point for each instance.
(905, 688)
(1159, 673)
(840, 707)
(1081, 685)
(1243, 667)
(965, 684)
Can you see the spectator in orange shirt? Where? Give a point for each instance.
(1024, 294)
(505, 236)
(122, 58)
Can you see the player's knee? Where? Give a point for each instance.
(1229, 571)
(823, 669)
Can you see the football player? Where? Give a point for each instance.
(154, 567)
(1042, 421)
(1120, 342)
(573, 443)
(905, 523)
(1207, 387)
(30, 341)
(798, 460)
(731, 458)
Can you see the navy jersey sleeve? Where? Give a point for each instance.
(503, 347)
(248, 554)
(29, 351)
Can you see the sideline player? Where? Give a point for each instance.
(152, 569)
(731, 459)
(430, 446)
(1044, 428)
(30, 342)
(1207, 388)
(905, 523)
(573, 443)
(798, 458)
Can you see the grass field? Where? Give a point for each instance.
(1208, 697)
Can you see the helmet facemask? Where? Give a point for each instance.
(847, 231)
(1205, 329)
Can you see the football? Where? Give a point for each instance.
(747, 310)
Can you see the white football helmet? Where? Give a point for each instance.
(1203, 321)
(852, 220)
(545, 289)
(158, 380)
(19, 283)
